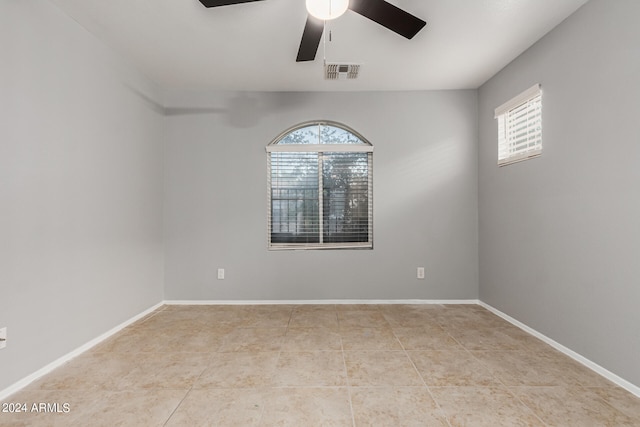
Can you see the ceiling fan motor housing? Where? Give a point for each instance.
(341, 71)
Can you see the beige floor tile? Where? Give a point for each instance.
(269, 316)
(483, 407)
(131, 340)
(103, 408)
(132, 408)
(451, 368)
(380, 369)
(314, 308)
(168, 340)
(253, 339)
(227, 316)
(471, 308)
(306, 339)
(215, 316)
(409, 308)
(220, 407)
(65, 406)
(489, 319)
(185, 316)
(164, 371)
(312, 364)
(468, 317)
(170, 321)
(316, 369)
(369, 339)
(426, 338)
(362, 319)
(454, 313)
(239, 370)
(571, 406)
(273, 309)
(193, 341)
(411, 318)
(309, 407)
(434, 309)
(341, 308)
(620, 399)
(395, 407)
(576, 373)
(485, 338)
(190, 308)
(90, 371)
(516, 368)
(527, 341)
(309, 317)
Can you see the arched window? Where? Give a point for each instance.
(320, 187)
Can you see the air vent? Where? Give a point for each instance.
(341, 71)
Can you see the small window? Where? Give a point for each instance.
(520, 127)
(320, 188)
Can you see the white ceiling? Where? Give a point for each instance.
(181, 44)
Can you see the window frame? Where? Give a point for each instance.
(363, 147)
(513, 149)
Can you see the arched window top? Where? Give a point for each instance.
(320, 133)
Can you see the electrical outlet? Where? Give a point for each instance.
(221, 274)
(3, 337)
(420, 273)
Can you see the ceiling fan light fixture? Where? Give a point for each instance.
(327, 9)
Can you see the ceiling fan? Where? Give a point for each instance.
(380, 11)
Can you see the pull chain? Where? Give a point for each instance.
(324, 41)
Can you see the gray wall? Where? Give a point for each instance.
(560, 235)
(80, 189)
(425, 197)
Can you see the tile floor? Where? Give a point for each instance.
(324, 365)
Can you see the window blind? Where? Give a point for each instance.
(346, 180)
(295, 215)
(320, 195)
(320, 200)
(520, 127)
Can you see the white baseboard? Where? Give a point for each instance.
(318, 302)
(576, 356)
(78, 351)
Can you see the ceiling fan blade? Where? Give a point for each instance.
(216, 3)
(310, 39)
(389, 16)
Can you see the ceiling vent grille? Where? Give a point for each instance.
(341, 71)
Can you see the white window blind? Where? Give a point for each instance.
(520, 127)
(320, 191)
